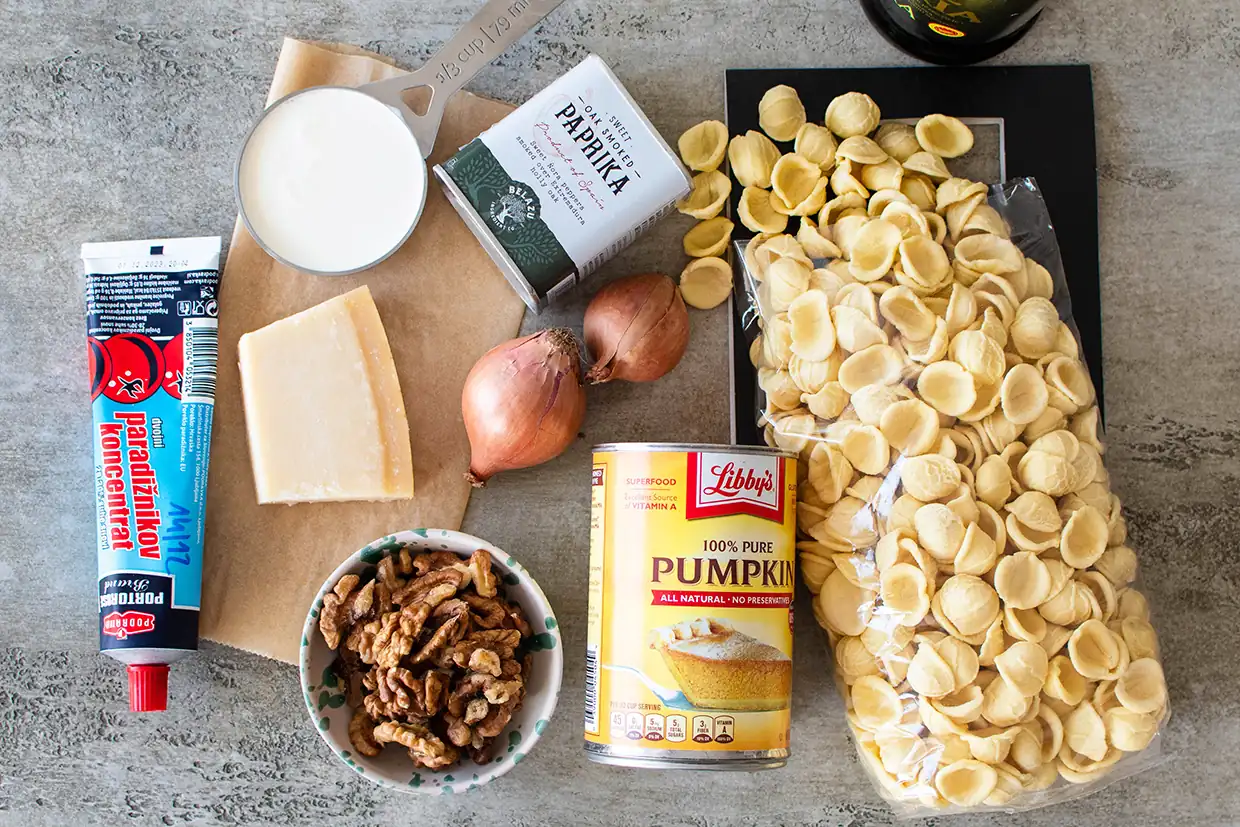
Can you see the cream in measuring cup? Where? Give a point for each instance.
(332, 180)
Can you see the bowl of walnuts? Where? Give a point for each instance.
(430, 661)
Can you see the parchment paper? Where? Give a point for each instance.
(443, 304)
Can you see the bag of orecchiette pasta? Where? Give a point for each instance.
(913, 341)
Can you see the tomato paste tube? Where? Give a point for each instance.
(152, 342)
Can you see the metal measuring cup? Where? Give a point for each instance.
(495, 27)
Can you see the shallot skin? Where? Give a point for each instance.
(523, 403)
(636, 328)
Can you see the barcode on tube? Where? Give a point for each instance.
(202, 351)
(592, 690)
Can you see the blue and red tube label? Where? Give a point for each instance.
(152, 350)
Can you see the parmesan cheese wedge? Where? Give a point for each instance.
(323, 408)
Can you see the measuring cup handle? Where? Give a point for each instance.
(495, 27)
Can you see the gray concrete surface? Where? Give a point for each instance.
(119, 119)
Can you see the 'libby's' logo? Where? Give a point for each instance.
(721, 484)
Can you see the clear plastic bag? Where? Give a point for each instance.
(965, 552)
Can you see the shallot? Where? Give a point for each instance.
(523, 403)
(636, 328)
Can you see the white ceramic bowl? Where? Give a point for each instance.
(324, 694)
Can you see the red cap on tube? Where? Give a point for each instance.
(148, 687)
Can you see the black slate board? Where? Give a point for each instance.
(1048, 115)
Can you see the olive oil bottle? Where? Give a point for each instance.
(953, 31)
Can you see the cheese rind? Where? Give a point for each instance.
(324, 413)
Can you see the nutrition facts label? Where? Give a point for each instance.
(701, 729)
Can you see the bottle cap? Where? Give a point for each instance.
(148, 687)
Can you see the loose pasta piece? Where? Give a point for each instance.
(756, 211)
(944, 135)
(817, 144)
(706, 282)
(709, 193)
(851, 114)
(873, 250)
(928, 164)
(948, 388)
(861, 150)
(752, 156)
(813, 334)
(898, 140)
(703, 145)
(708, 238)
(781, 113)
(815, 244)
(798, 185)
(885, 175)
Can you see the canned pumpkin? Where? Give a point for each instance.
(689, 643)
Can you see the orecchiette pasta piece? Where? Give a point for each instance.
(860, 149)
(1071, 379)
(873, 250)
(1064, 683)
(816, 245)
(1084, 538)
(1066, 342)
(963, 706)
(924, 261)
(854, 660)
(986, 219)
(837, 207)
(777, 341)
(940, 531)
(928, 674)
(904, 590)
(931, 350)
(844, 180)
(993, 482)
(845, 232)
(990, 745)
(1036, 510)
(1023, 580)
(813, 334)
(1085, 733)
(828, 402)
(702, 146)
(709, 193)
(955, 190)
(752, 156)
(1024, 666)
(1129, 731)
(1103, 591)
(876, 703)
(1097, 653)
(1142, 687)
(910, 426)
(1138, 635)
(845, 607)
(814, 569)
(907, 312)
(1131, 603)
(977, 553)
(775, 247)
(944, 135)
(980, 355)
(1003, 705)
(708, 238)
(961, 309)
(781, 113)
(882, 199)
(1046, 472)
(929, 476)
(1023, 394)
(849, 526)
(1071, 605)
(853, 113)
(969, 603)
(919, 189)
(798, 186)
(811, 376)
(960, 657)
(870, 402)
(1024, 624)
(792, 430)
(859, 297)
(756, 211)
(1051, 419)
(866, 448)
(988, 253)
(886, 175)
(966, 783)
(897, 140)
(787, 279)
(862, 573)
(780, 390)
(874, 365)
(928, 164)
(829, 472)
(817, 144)
(1035, 327)
(948, 388)
(706, 282)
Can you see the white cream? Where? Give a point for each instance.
(332, 180)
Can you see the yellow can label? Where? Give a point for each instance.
(689, 643)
